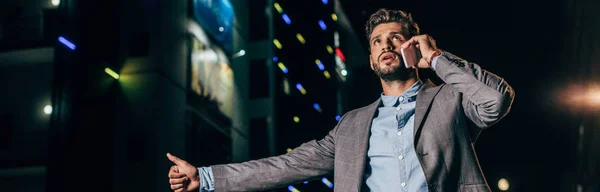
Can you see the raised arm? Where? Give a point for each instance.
(487, 98)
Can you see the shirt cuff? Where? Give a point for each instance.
(434, 61)
(207, 181)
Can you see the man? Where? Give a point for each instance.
(417, 137)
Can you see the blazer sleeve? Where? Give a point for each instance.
(306, 162)
(487, 98)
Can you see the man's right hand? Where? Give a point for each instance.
(183, 176)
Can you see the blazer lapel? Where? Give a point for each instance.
(424, 100)
(365, 118)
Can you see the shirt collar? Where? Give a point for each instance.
(409, 95)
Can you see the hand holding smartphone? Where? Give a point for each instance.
(410, 56)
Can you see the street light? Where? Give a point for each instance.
(503, 184)
(48, 109)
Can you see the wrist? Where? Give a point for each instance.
(434, 54)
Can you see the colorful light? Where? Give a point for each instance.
(327, 182)
(337, 118)
(300, 38)
(67, 43)
(305, 182)
(111, 73)
(322, 24)
(278, 8)
(282, 67)
(327, 75)
(344, 72)
(325, 2)
(301, 89)
(286, 86)
(277, 44)
(320, 65)
(329, 49)
(296, 119)
(334, 17)
(340, 54)
(288, 149)
(317, 107)
(286, 18)
(292, 189)
(275, 58)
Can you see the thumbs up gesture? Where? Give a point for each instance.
(183, 176)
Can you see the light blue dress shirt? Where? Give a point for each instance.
(393, 163)
(392, 160)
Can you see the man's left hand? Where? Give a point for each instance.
(427, 47)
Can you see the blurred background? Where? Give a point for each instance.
(95, 93)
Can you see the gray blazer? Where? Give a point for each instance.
(448, 119)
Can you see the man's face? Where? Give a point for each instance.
(385, 57)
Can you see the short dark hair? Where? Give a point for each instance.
(386, 16)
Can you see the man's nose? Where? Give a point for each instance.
(387, 46)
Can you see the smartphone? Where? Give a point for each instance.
(410, 56)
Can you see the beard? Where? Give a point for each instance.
(391, 73)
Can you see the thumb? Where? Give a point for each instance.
(175, 159)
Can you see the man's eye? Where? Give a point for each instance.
(396, 38)
(376, 41)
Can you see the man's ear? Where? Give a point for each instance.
(371, 63)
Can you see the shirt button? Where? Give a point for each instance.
(398, 108)
(399, 133)
(401, 99)
(403, 184)
(400, 157)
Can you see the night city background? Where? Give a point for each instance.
(95, 93)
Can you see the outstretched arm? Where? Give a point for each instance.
(310, 160)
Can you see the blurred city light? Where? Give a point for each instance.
(329, 49)
(48, 109)
(339, 53)
(580, 97)
(301, 89)
(239, 54)
(286, 18)
(277, 43)
(322, 24)
(67, 43)
(327, 182)
(278, 8)
(111, 73)
(503, 184)
(334, 17)
(300, 38)
(317, 107)
(282, 67)
(320, 64)
(327, 75)
(293, 189)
